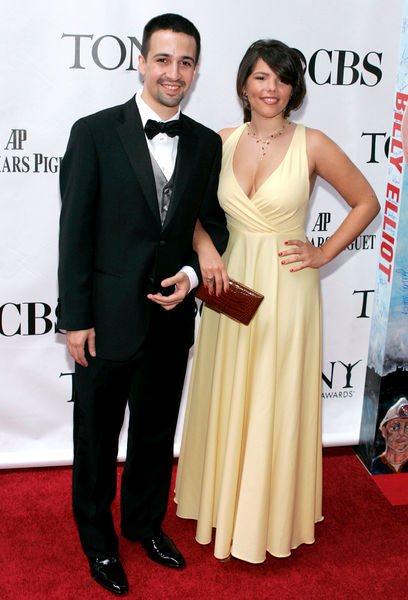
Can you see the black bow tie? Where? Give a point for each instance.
(171, 128)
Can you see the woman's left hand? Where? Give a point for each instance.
(213, 271)
(303, 253)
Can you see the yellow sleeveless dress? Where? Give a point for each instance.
(250, 462)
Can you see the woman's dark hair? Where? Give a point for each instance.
(172, 22)
(284, 61)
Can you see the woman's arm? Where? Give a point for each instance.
(331, 163)
(213, 271)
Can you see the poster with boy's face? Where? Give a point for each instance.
(394, 430)
(383, 433)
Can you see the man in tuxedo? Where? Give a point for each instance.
(134, 180)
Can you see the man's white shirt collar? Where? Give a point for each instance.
(148, 113)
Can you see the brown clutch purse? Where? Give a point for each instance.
(239, 303)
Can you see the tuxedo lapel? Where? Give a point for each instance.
(186, 152)
(132, 136)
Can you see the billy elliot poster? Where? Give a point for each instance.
(383, 444)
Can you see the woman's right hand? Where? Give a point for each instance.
(213, 271)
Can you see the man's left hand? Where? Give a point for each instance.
(182, 286)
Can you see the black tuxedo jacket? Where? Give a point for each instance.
(113, 248)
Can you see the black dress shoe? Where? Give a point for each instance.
(109, 573)
(162, 550)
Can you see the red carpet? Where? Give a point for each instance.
(394, 487)
(360, 547)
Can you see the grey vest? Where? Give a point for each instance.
(164, 189)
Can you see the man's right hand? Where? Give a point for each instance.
(76, 344)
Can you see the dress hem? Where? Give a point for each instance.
(253, 562)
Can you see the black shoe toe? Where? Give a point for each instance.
(109, 573)
(162, 550)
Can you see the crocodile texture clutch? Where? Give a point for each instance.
(239, 303)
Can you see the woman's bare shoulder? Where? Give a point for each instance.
(318, 143)
(315, 136)
(225, 133)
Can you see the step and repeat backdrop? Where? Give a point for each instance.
(63, 60)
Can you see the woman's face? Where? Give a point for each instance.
(267, 94)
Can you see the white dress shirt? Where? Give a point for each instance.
(164, 150)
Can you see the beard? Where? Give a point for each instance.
(167, 100)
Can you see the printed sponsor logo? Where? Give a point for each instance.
(364, 299)
(338, 379)
(15, 162)
(343, 67)
(362, 242)
(108, 52)
(378, 143)
(323, 67)
(26, 318)
(71, 375)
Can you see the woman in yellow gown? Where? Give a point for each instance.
(250, 462)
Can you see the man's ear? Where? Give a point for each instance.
(195, 70)
(141, 64)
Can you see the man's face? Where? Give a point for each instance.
(395, 433)
(168, 70)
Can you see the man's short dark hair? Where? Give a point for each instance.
(172, 22)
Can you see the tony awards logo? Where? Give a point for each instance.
(341, 376)
(108, 52)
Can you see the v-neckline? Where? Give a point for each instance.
(270, 175)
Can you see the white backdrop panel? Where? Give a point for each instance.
(63, 60)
